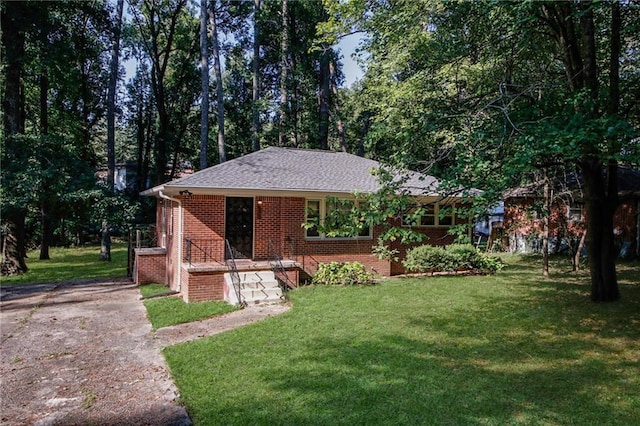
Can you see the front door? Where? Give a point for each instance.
(239, 226)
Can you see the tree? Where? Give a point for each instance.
(204, 75)
(13, 214)
(484, 94)
(255, 126)
(165, 33)
(222, 156)
(111, 96)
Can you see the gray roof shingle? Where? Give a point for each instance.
(296, 170)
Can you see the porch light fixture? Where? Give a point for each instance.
(186, 192)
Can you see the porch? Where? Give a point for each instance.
(210, 271)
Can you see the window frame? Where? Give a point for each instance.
(322, 215)
(433, 211)
(571, 212)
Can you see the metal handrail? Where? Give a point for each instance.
(205, 253)
(279, 271)
(233, 272)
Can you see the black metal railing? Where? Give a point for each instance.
(280, 272)
(233, 272)
(202, 251)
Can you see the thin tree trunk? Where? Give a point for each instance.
(204, 74)
(255, 127)
(334, 90)
(578, 252)
(323, 98)
(45, 231)
(545, 226)
(111, 99)
(222, 155)
(284, 75)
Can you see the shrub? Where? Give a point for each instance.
(429, 258)
(342, 273)
(454, 257)
(466, 256)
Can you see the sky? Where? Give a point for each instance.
(350, 68)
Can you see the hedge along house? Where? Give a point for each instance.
(249, 213)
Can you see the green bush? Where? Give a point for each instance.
(466, 256)
(342, 273)
(451, 258)
(429, 258)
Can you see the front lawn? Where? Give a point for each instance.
(72, 263)
(172, 310)
(513, 348)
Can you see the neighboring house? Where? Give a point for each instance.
(567, 216)
(258, 203)
(488, 228)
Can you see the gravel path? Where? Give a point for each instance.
(83, 353)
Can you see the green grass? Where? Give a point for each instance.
(166, 311)
(71, 264)
(513, 348)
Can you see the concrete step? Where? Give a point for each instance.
(258, 285)
(256, 276)
(264, 294)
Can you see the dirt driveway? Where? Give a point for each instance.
(83, 353)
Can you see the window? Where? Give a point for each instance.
(313, 216)
(330, 219)
(430, 215)
(575, 212)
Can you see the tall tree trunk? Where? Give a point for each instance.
(13, 217)
(217, 68)
(284, 75)
(255, 127)
(334, 91)
(204, 74)
(111, 98)
(600, 237)
(323, 97)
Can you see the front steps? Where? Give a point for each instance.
(256, 288)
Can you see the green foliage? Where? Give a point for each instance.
(454, 257)
(342, 273)
(383, 252)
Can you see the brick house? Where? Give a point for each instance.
(249, 211)
(567, 216)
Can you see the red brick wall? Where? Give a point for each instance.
(204, 223)
(150, 266)
(202, 286)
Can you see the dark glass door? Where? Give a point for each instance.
(239, 226)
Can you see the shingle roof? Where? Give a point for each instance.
(297, 170)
